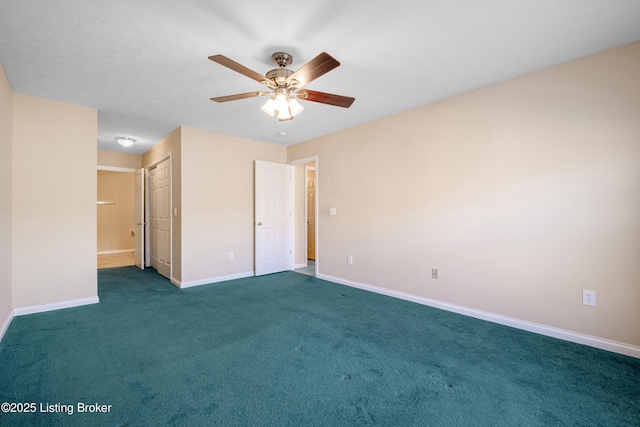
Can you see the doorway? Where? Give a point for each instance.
(310, 211)
(307, 247)
(156, 248)
(115, 227)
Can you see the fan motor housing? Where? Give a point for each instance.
(279, 75)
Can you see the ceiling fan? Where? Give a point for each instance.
(285, 86)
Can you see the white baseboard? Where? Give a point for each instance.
(55, 306)
(5, 324)
(118, 251)
(192, 283)
(303, 265)
(563, 334)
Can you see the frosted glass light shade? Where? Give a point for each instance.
(282, 105)
(295, 107)
(125, 142)
(268, 107)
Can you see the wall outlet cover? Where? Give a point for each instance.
(589, 298)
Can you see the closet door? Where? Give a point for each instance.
(160, 204)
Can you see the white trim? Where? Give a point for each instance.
(192, 283)
(147, 219)
(550, 331)
(118, 251)
(172, 208)
(115, 169)
(304, 161)
(303, 265)
(55, 306)
(5, 325)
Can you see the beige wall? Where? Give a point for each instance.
(171, 145)
(522, 194)
(217, 202)
(6, 118)
(54, 201)
(115, 221)
(120, 160)
(214, 201)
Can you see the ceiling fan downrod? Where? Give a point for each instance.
(282, 59)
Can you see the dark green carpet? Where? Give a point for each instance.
(289, 349)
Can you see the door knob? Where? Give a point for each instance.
(259, 223)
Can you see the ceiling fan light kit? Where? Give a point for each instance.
(282, 105)
(285, 85)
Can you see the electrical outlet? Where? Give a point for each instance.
(589, 298)
(434, 273)
(350, 259)
(230, 256)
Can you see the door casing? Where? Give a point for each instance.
(304, 161)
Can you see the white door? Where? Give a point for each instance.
(139, 218)
(153, 215)
(160, 201)
(273, 217)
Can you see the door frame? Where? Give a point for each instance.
(300, 162)
(142, 223)
(111, 169)
(147, 205)
(306, 209)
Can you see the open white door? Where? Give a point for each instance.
(139, 218)
(273, 217)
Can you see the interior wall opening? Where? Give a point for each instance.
(115, 218)
(307, 225)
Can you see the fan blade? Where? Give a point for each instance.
(240, 96)
(230, 63)
(313, 69)
(326, 98)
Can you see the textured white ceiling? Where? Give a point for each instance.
(143, 64)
